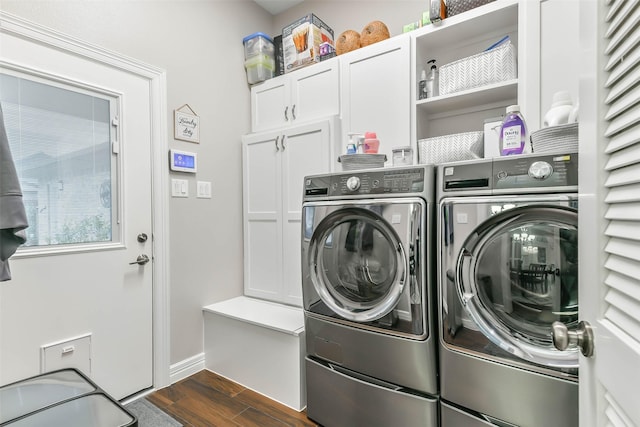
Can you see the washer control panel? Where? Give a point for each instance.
(368, 182)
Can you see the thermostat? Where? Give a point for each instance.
(183, 161)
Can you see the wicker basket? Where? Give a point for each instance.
(351, 162)
(485, 68)
(455, 7)
(451, 148)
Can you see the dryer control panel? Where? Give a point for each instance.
(534, 173)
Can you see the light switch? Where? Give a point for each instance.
(203, 190)
(179, 188)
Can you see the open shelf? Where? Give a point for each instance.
(471, 98)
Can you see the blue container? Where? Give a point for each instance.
(257, 44)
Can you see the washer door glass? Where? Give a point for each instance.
(517, 273)
(358, 264)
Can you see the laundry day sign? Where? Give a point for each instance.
(186, 124)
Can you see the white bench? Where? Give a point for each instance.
(258, 344)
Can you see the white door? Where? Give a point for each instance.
(274, 165)
(376, 93)
(610, 212)
(315, 92)
(262, 205)
(75, 277)
(270, 102)
(306, 151)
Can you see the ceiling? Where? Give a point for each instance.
(276, 6)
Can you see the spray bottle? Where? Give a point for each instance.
(432, 79)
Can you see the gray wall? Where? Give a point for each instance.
(199, 44)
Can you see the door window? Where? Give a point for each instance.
(60, 138)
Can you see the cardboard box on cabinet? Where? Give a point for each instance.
(301, 41)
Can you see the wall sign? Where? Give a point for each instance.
(186, 124)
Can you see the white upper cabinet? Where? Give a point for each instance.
(300, 96)
(376, 93)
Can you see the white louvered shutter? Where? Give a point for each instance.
(613, 374)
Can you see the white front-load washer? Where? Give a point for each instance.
(368, 292)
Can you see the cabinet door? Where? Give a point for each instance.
(315, 91)
(262, 202)
(268, 103)
(306, 151)
(376, 92)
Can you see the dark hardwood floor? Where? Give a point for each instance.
(207, 399)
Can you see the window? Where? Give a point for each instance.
(60, 139)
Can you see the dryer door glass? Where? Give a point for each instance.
(517, 273)
(358, 263)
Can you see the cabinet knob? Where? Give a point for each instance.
(277, 148)
(282, 143)
(293, 111)
(286, 113)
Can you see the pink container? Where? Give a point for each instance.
(371, 143)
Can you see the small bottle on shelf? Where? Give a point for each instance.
(432, 79)
(513, 133)
(371, 143)
(422, 85)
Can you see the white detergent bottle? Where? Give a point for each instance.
(560, 111)
(513, 133)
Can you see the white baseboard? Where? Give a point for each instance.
(186, 367)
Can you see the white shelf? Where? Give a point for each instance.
(458, 37)
(469, 25)
(471, 98)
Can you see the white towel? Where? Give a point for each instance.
(13, 218)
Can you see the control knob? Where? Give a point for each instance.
(353, 183)
(540, 170)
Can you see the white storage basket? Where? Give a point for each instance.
(485, 68)
(451, 148)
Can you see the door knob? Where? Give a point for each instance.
(141, 260)
(142, 237)
(582, 337)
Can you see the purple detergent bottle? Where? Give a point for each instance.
(513, 133)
